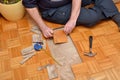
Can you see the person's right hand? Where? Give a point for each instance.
(47, 32)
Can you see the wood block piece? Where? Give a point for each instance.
(36, 38)
(59, 36)
(27, 50)
(36, 30)
(52, 72)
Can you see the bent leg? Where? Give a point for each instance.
(61, 15)
(107, 7)
(58, 15)
(90, 17)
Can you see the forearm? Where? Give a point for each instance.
(47, 32)
(75, 11)
(76, 6)
(36, 17)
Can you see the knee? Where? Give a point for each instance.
(93, 20)
(90, 21)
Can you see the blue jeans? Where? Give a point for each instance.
(102, 9)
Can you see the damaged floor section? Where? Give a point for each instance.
(67, 55)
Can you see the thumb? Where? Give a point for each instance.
(51, 31)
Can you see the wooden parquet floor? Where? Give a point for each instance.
(106, 43)
(14, 36)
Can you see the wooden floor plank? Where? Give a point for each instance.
(59, 36)
(99, 76)
(7, 25)
(106, 43)
(14, 36)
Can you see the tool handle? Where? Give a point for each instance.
(90, 41)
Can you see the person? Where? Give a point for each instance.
(70, 13)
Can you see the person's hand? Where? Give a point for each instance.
(69, 26)
(47, 32)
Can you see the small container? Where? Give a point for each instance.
(37, 46)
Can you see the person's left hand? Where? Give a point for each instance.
(69, 26)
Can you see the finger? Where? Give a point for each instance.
(45, 36)
(65, 30)
(68, 31)
(50, 34)
(51, 31)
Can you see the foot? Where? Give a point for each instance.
(116, 19)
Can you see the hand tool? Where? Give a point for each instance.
(90, 53)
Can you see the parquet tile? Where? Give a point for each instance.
(26, 37)
(111, 74)
(15, 36)
(13, 42)
(15, 62)
(59, 36)
(6, 75)
(15, 52)
(7, 25)
(23, 26)
(105, 63)
(3, 44)
(115, 59)
(0, 25)
(106, 42)
(98, 76)
(93, 67)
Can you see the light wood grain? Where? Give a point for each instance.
(14, 36)
(59, 36)
(106, 43)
